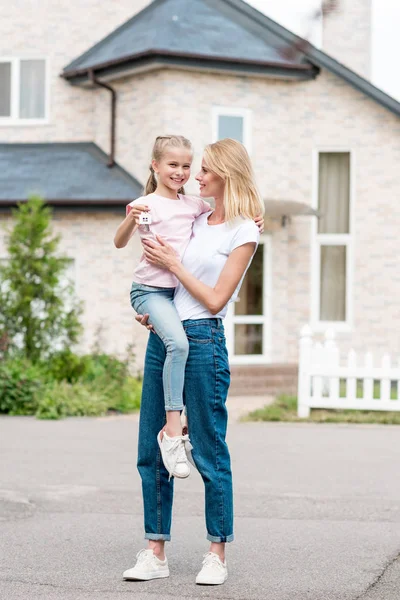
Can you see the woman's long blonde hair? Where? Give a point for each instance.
(160, 146)
(229, 159)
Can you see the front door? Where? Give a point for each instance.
(247, 323)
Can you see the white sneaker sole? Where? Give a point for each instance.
(162, 456)
(147, 576)
(218, 581)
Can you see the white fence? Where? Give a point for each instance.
(358, 384)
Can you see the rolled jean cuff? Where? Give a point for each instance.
(180, 406)
(157, 536)
(220, 539)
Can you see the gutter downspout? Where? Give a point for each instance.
(93, 79)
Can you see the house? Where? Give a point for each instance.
(83, 97)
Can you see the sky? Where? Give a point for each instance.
(385, 38)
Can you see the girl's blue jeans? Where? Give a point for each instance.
(207, 381)
(158, 303)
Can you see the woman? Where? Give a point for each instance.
(210, 274)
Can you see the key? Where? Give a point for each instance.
(145, 219)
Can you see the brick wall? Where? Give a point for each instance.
(59, 31)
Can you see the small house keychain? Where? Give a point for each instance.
(145, 219)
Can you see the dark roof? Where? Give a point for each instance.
(223, 34)
(188, 29)
(65, 174)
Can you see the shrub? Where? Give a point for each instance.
(62, 399)
(67, 366)
(20, 383)
(67, 385)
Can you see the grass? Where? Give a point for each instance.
(285, 409)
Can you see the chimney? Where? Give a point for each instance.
(347, 34)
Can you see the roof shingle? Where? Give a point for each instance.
(69, 172)
(185, 27)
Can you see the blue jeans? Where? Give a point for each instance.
(158, 303)
(207, 381)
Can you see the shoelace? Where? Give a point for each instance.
(144, 556)
(211, 558)
(178, 453)
(187, 445)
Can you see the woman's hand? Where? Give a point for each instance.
(259, 221)
(161, 254)
(144, 320)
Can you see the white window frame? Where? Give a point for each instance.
(332, 239)
(14, 119)
(229, 111)
(264, 319)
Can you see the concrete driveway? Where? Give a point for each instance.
(317, 513)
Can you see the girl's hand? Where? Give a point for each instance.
(144, 320)
(162, 255)
(136, 210)
(259, 221)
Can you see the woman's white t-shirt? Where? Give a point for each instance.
(205, 257)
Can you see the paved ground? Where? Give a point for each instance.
(317, 514)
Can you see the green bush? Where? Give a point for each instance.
(20, 383)
(126, 398)
(62, 399)
(68, 385)
(66, 366)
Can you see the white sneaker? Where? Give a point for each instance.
(147, 567)
(213, 572)
(174, 455)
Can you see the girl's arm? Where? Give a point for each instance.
(129, 225)
(213, 298)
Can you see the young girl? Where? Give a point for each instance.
(170, 214)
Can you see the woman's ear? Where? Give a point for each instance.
(154, 165)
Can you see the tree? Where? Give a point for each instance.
(39, 314)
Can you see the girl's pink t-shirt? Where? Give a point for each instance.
(172, 220)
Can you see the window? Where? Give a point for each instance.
(232, 123)
(23, 84)
(333, 241)
(247, 324)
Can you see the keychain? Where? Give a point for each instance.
(145, 219)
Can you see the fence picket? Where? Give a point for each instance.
(317, 381)
(385, 381)
(320, 373)
(304, 379)
(398, 379)
(368, 388)
(351, 382)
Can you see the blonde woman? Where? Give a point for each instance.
(210, 274)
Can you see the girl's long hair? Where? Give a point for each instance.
(160, 146)
(229, 160)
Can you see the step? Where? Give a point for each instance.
(258, 380)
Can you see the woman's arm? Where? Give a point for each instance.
(129, 225)
(213, 298)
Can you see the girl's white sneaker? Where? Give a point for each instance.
(147, 567)
(213, 572)
(173, 454)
